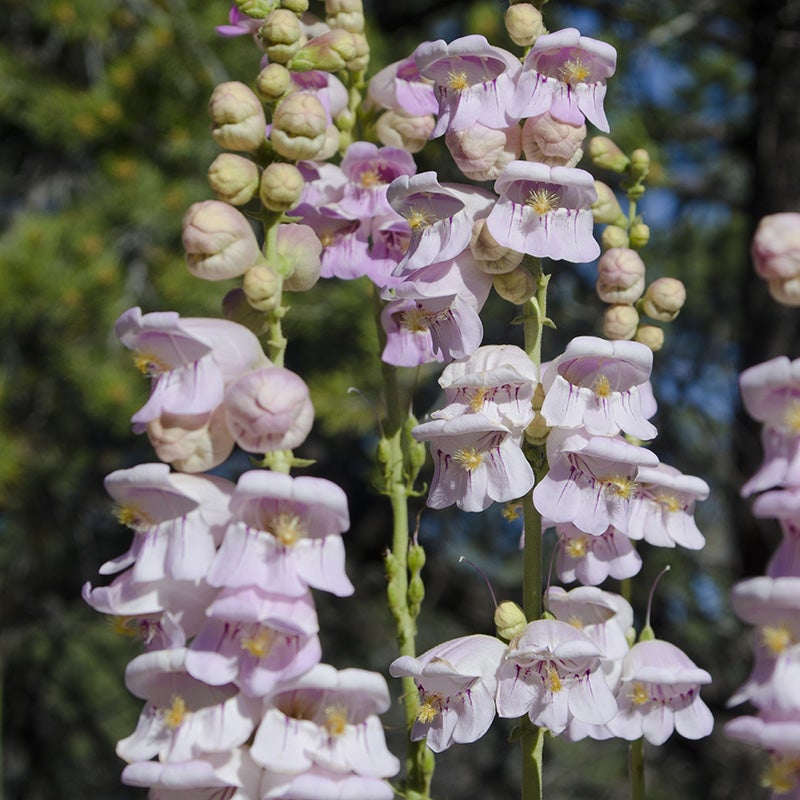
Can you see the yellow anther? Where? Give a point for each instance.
(286, 528)
(781, 774)
(776, 638)
(132, 517)
(670, 502)
(371, 178)
(457, 80)
(574, 71)
(602, 386)
(577, 547)
(468, 458)
(639, 694)
(543, 201)
(791, 417)
(260, 643)
(429, 708)
(148, 364)
(476, 402)
(419, 219)
(335, 720)
(416, 320)
(554, 679)
(175, 714)
(620, 485)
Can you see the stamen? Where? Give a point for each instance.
(574, 71)
(260, 644)
(287, 528)
(543, 201)
(429, 708)
(776, 638)
(781, 774)
(416, 320)
(148, 364)
(602, 386)
(577, 547)
(476, 403)
(335, 720)
(419, 219)
(554, 679)
(457, 80)
(620, 485)
(371, 178)
(175, 714)
(791, 417)
(670, 502)
(639, 694)
(132, 517)
(468, 458)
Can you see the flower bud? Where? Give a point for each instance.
(606, 209)
(664, 299)
(334, 7)
(299, 254)
(268, 409)
(237, 116)
(640, 235)
(620, 322)
(396, 128)
(517, 287)
(273, 82)
(282, 35)
(329, 52)
(776, 247)
(482, 153)
(262, 288)
(509, 618)
(613, 236)
(191, 442)
(233, 179)
(257, 9)
(281, 186)
(607, 155)
(298, 7)
(650, 335)
(416, 558)
(361, 61)
(620, 276)
(299, 127)
(524, 24)
(491, 257)
(218, 241)
(550, 141)
(785, 292)
(351, 21)
(537, 430)
(640, 164)
(236, 309)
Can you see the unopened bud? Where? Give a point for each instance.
(273, 82)
(664, 299)
(785, 292)
(550, 141)
(483, 153)
(524, 24)
(352, 21)
(607, 155)
(262, 288)
(416, 594)
(257, 9)
(620, 322)
(334, 7)
(416, 558)
(606, 210)
(509, 619)
(282, 35)
(233, 179)
(299, 126)
(299, 254)
(614, 236)
(298, 7)
(281, 186)
(620, 276)
(490, 256)
(517, 287)
(236, 308)
(776, 247)
(650, 335)
(640, 235)
(329, 52)
(237, 116)
(396, 128)
(361, 61)
(640, 164)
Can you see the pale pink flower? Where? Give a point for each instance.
(601, 385)
(552, 673)
(327, 718)
(456, 683)
(565, 73)
(590, 559)
(659, 692)
(239, 24)
(268, 409)
(545, 211)
(776, 247)
(475, 463)
(408, 340)
(401, 86)
(783, 505)
(318, 783)
(285, 536)
(473, 81)
(190, 360)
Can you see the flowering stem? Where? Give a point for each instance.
(276, 343)
(636, 767)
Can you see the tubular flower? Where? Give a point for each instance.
(565, 73)
(545, 211)
(591, 559)
(456, 683)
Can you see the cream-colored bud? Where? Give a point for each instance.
(282, 35)
(352, 21)
(509, 619)
(262, 287)
(785, 292)
(257, 9)
(524, 24)
(640, 235)
(334, 7)
(620, 322)
(299, 253)
(606, 210)
(640, 163)
(620, 276)
(298, 7)
(550, 141)
(361, 61)
(236, 308)
(237, 116)
(650, 335)
(273, 82)
(299, 126)
(664, 299)
(234, 179)
(517, 286)
(483, 153)
(329, 52)
(281, 186)
(490, 256)
(396, 128)
(607, 155)
(614, 236)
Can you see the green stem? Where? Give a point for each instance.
(636, 766)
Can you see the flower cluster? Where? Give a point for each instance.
(771, 602)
